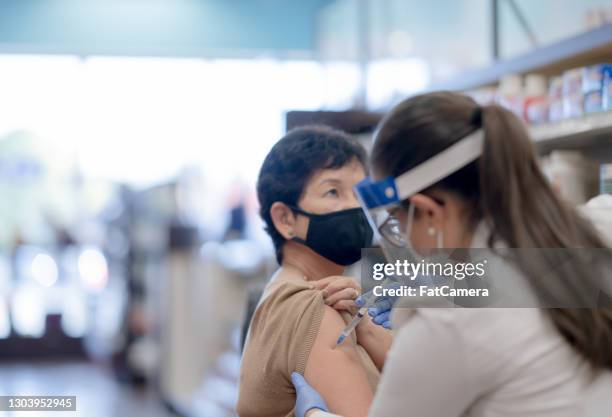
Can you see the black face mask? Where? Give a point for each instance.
(337, 236)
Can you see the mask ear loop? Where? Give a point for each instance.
(409, 226)
(440, 239)
(421, 279)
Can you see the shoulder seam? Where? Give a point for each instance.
(302, 359)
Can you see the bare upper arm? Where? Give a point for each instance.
(338, 374)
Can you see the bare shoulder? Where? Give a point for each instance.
(332, 324)
(337, 372)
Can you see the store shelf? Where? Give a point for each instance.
(594, 130)
(588, 48)
(352, 121)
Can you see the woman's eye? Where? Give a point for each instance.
(333, 192)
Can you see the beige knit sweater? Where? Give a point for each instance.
(281, 335)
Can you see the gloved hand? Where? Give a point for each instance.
(307, 397)
(381, 312)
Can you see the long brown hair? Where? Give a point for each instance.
(505, 188)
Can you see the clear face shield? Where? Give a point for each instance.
(382, 205)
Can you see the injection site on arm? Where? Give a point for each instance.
(338, 373)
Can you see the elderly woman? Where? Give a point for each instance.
(305, 189)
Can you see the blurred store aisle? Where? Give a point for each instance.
(98, 392)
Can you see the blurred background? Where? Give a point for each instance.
(132, 131)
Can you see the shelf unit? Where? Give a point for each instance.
(587, 48)
(592, 133)
(591, 130)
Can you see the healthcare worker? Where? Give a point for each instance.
(449, 173)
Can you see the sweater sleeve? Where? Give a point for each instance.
(281, 335)
(301, 310)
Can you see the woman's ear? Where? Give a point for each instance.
(283, 219)
(429, 209)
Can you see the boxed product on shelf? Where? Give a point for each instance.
(536, 100)
(593, 77)
(607, 91)
(594, 86)
(573, 93)
(510, 94)
(606, 179)
(555, 99)
(593, 101)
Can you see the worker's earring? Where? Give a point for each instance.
(431, 231)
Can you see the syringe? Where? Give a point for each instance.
(370, 299)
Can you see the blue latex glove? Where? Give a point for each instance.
(381, 312)
(307, 397)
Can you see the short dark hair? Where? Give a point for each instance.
(291, 163)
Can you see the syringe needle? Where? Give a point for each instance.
(340, 340)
